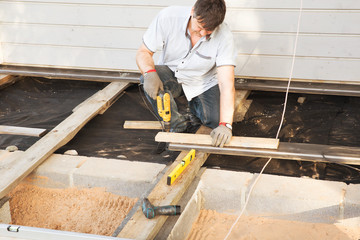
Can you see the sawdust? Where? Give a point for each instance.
(213, 225)
(93, 211)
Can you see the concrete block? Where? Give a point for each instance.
(117, 176)
(220, 187)
(297, 199)
(56, 171)
(352, 205)
(5, 215)
(289, 198)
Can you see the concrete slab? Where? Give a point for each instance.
(117, 176)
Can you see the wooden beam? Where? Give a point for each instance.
(241, 104)
(24, 131)
(205, 139)
(239, 115)
(16, 167)
(139, 227)
(142, 125)
(7, 80)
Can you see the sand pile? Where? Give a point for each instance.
(92, 211)
(213, 225)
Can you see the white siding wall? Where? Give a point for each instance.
(1, 54)
(1, 49)
(105, 35)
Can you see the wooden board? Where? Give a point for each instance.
(24, 131)
(139, 227)
(205, 139)
(240, 99)
(6, 80)
(15, 168)
(240, 114)
(142, 125)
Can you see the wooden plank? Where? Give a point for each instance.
(239, 115)
(24, 131)
(205, 139)
(240, 99)
(139, 227)
(15, 168)
(6, 80)
(142, 125)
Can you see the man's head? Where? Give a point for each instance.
(209, 13)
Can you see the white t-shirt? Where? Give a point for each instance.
(194, 67)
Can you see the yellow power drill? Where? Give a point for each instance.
(163, 106)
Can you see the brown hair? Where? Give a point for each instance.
(210, 13)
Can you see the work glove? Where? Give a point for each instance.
(221, 135)
(152, 84)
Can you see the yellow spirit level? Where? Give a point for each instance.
(180, 167)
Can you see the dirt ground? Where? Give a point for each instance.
(213, 225)
(93, 211)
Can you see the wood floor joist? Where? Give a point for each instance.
(139, 227)
(287, 151)
(6, 80)
(241, 104)
(24, 131)
(16, 167)
(205, 139)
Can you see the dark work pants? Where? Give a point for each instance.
(205, 107)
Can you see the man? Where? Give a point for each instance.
(198, 58)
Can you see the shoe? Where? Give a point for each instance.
(161, 147)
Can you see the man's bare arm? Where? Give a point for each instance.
(227, 93)
(144, 59)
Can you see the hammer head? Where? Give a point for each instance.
(150, 211)
(148, 208)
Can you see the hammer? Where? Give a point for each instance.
(150, 211)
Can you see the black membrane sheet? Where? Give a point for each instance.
(44, 103)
